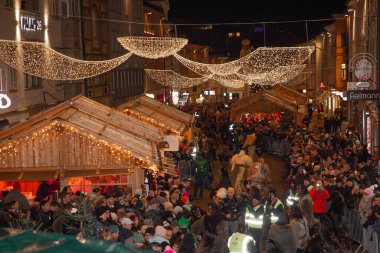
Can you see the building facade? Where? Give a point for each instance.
(363, 31)
(78, 28)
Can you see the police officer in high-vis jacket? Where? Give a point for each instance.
(254, 217)
(272, 210)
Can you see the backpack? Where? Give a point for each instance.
(201, 168)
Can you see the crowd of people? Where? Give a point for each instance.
(328, 172)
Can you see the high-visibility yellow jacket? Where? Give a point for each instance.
(238, 243)
(254, 217)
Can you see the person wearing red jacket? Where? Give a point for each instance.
(319, 195)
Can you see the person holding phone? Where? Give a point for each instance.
(319, 196)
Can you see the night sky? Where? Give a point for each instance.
(233, 11)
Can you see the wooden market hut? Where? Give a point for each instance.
(168, 118)
(278, 99)
(78, 138)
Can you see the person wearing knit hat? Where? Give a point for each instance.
(185, 199)
(149, 232)
(168, 206)
(114, 232)
(103, 213)
(159, 237)
(177, 210)
(221, 193)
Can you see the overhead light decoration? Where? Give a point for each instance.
(37, 59)
(231, 81)
(152, 47)
(276, 76)
(261, 60)
(302, 77)
(269, 58)
(280, 75)
(205, 69)
(172, 79)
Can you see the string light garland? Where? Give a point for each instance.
(37, 59)
(152, 47)
(279, 75)
(69, 133)
(269, 58)
(261, 60)
(149, 120)
(204, 69)
(299, 79)
(232, 80)
(172, 79)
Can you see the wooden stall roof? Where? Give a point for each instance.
(250, 103)
(170, 117)
(290, 94)
(89, 119)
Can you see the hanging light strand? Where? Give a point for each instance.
(261, 60)
(149, 120)
(172, 79)
(152, 47)
(37, 59)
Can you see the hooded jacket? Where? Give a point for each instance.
(284, 238)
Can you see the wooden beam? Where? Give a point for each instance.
(22, 169)
(42, 116)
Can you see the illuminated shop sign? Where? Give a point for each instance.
(5, 101)
(31, 24)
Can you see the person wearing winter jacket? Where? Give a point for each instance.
(231, 212)
(319, 195)
(212, 227)
(281, 236)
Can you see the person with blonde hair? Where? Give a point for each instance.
(231, 211)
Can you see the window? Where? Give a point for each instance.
(64, 11)
(31, 5)
(116, 6)
(116, 46)
(74, 8)
(32, 82)
(9, 3)
(12, 79)
(343, 39)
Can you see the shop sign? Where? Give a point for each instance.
(363, 66)
(363, 69)
(363, 95)
(5, 101)
(31, 24)
(357, 85)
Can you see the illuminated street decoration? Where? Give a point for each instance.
(280, 75)
(269, 58)
(210, 69)
(261, 60)
(30, 24)
(152, 47)
(276, 76)
(172, 79)
(8, 102)
(36, 58)
(302, 77)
